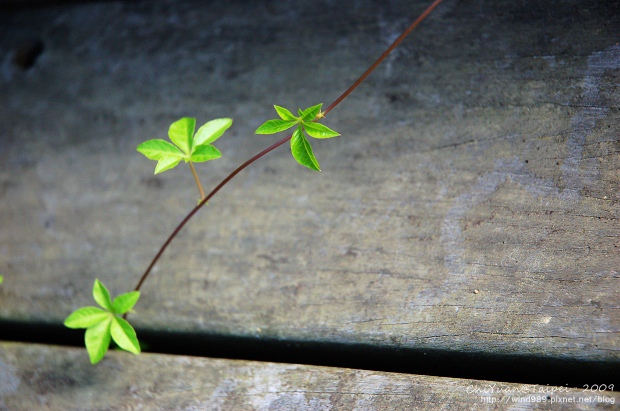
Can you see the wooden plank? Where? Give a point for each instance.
(470, 205)
(36, 376)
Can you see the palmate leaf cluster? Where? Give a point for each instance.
(187, 146)
(105, 324)
(305, 122)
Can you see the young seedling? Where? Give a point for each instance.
(105, 324)
(187, 146)
(307, 121)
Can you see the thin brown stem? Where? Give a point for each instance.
(278, 144)
(382, 57)
(202, 192)
(203, 202)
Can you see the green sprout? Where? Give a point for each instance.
(307, 121)
(102, 325)
(187, 146)
(1, 279)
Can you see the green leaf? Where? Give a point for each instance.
(124, 335)
(310, 113)
(125, 302)
(1, 279)
(181, 133)
(275, 126)
(97, 339)
(211, 131)
(157, 149)
(317, 130)
(205, 152)
(284, 113)
(302, 151)
(101, 295)
(86, 317)
(101, 326)
(166, 163)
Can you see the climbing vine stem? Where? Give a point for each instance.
(344, 95)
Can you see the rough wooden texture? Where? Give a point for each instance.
(471, 203)
(46, 377)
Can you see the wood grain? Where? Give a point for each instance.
(36, 377)
(471, 204)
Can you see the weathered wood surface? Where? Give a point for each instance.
(471, 203)
(47, 377)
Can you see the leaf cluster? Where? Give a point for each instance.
(305, 122)
(105, 324)
(187, 146)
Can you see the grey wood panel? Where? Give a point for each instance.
(471, 203)
(48, 377)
